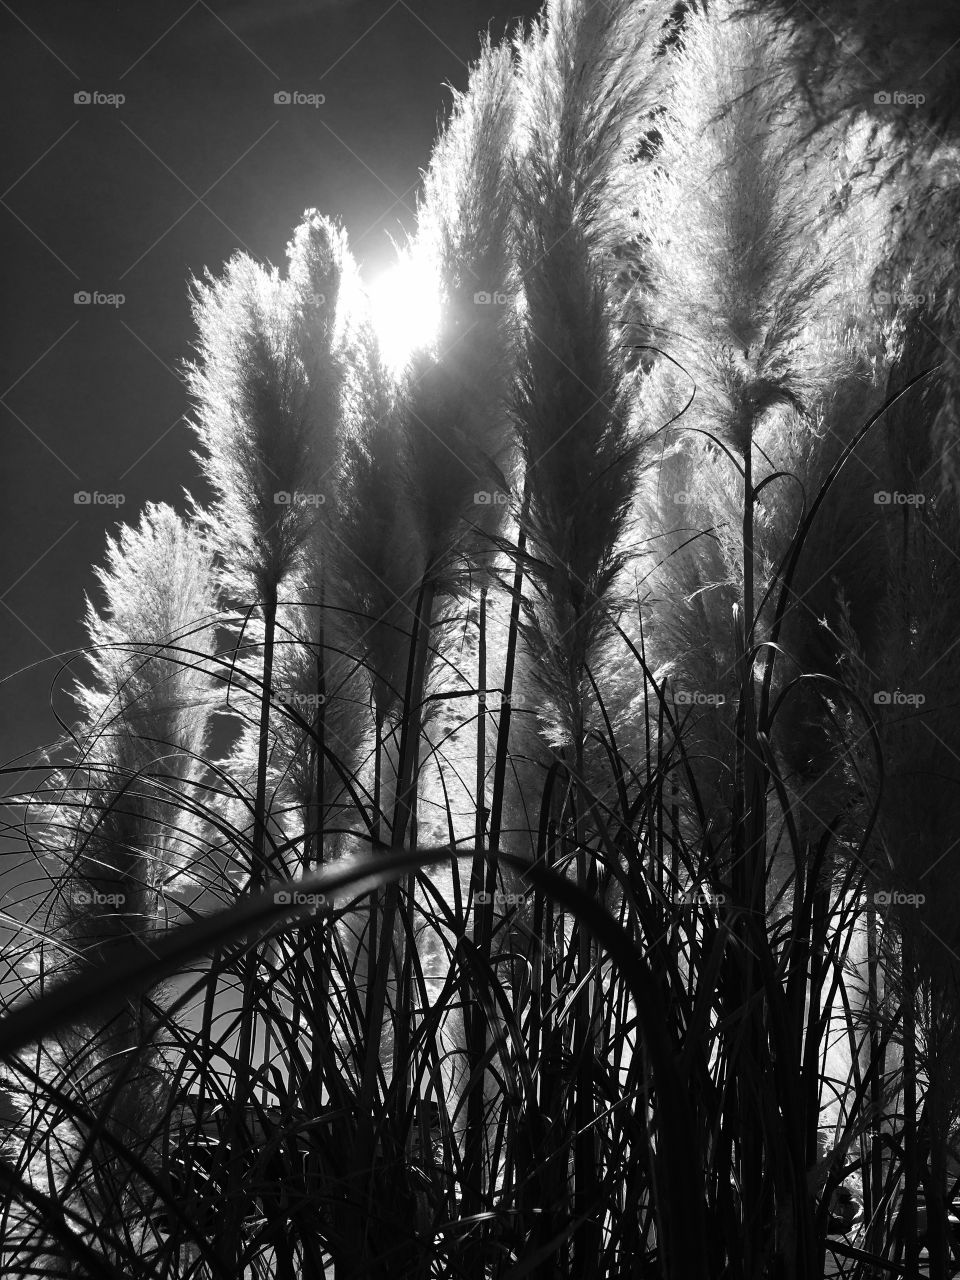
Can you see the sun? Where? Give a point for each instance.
(405, 310)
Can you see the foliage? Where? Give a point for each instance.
(510, 830)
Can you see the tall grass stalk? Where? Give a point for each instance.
(553, 905)
(117, 843)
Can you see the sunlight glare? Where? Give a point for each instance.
(405, 310)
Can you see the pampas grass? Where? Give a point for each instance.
(527, 921)
(119, 839)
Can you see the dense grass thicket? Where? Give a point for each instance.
(510, 830)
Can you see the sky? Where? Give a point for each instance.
(139, 145)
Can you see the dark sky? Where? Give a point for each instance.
(135, 198)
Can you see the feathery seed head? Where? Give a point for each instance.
(733, 228)
(267, 385)
(586, 77)
(453, 401)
